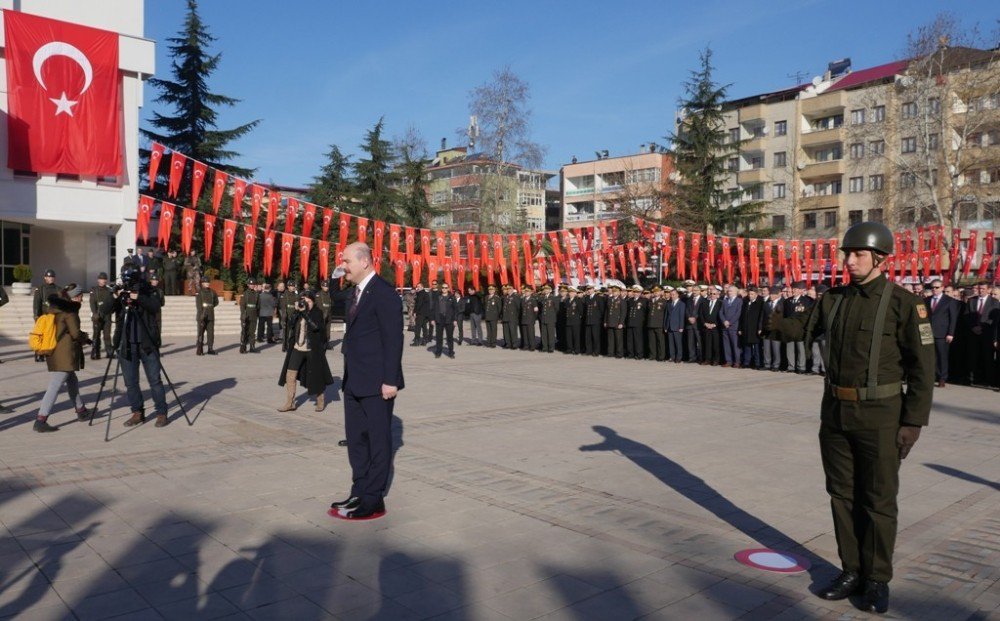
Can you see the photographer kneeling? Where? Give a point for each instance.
(305, 361)
(137, 339)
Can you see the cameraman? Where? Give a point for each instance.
(305, 360)
(137, 339)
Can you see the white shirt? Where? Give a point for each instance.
(363, 284)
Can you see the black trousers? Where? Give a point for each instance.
(206, 327)
(170, 283)
(983, 353)
(461, 329)
(509, 335)
(265, 328)
(423, 333)
(548, 337)
(675, 343)
(712, 342)
(634, 345)
(694, 343)
(573, 339)
(528, 336)
(941, 347)
(246, 330)
(368, 425)
(657, 340)
(616, 342)
(101, 328)
(491, 333)
(592, 339)
(442, 328)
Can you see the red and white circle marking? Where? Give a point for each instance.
(772, 560)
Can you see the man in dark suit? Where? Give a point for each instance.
(675, 322)
(593, 319)
(614, 321)
(529, 315)
(944, 313)
(979, 314)
(751, 328)
(773, 307)
(373, 374)
(711, 336)
(797, 308)
(422, 313)
(695, 305)
(574, 310)
(444, 318)
(729, 317)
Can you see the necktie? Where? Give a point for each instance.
(934, 303)
(354, 305)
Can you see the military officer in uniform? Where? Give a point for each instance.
(574, 310)
(510, 316)
(192, 273)
(205, 303)
(548, 306)
(286, 309)
(249, 309)
(614, 322)
(492, 307)
(879, 340)
(593, 318)
(324, 302)
(40, 305)
(101, 324)
(529, 315)
(656, 336)
(171, 266)
(636, 324)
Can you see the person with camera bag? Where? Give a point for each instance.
(67, 357)
(137, 340)
(305, 360)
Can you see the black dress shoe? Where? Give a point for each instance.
(367, 513)
(875, 597)
(342, 443)
(842, 587)
(349, 504)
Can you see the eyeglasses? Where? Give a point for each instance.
(937, 287)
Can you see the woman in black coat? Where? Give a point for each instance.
(305, 360)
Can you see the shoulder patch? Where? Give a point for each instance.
(922, 311)
(926, 335)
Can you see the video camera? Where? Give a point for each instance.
(131, 280)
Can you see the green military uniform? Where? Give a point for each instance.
(40, 304)
(171, 266)
(205, 302)
(548, 308)
(324, 302)
(656, 336)
(492, 307)
(286, 311)
(100, 294)
(249, 311)
(510, 316)
(635, 327)
(529, 315)
(614, 321)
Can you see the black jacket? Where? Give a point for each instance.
(450, 313)
(944, 317)
(422, 303)
(147, 308)
(315, 374)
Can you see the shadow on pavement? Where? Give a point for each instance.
(965, 476)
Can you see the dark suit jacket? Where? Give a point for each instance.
(944, 318)
(706, 316)
(752, 320)
(373, 343)
(451, 311)
(768, 311)
(422, 303)
(974, 318)
(593, 309)
(675, 319)
(694, 307)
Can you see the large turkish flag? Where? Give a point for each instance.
(65, 97)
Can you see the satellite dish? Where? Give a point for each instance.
(801, 165)
(816, 81)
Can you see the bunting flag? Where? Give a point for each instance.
(498, 259)
(470, 251)
(142, 218)
(305, 246)
(197, 179)
(754, 261)
(512, 241)
(256, 203)
(795, 261)
(362, 230)
(323, 266)
(291, 213)
(439, 246)
(249, 240)
(268, 252)
(166, 224)
(987, 257)
(399, 265)
(956, 241)
(155, 157)
(590, 268)
(727, 258)
(208, 233)
(769, 262)
(556, 250)
(287, 242)
(742, 259)
(394, 233)
(695, 254)
(971, 250)
(528, 253)
(807, 260)
(177, 161)
(580, 241)
(925, 262)
(410, 240)
(239, 190)
(782, 264)
(187, 229)
(425, 245)
(456, 242)
(343, 228)
(378, 235)
(308, 218)
(327, 221)
(218, 189)
(415, 269)
(228, 237)
(681, 270)
(710, 257)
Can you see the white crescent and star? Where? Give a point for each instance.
(61, 48)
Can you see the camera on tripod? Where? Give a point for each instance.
(131, 281)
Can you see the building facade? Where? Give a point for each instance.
(605, 188)
(78, 226)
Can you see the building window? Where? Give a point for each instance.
(778, 223)
(14, 249)
(757, 131)
(733, 164)
(974, 139)
(878, 114)
(993, 137)
(828, 122)
(643, 175)
(907, 180)
(756, 162)
(780, 128)
(991, 212)
(853, 217)
(780, 159)
(830, 219)
(974, 177)
(856, 184)
(933, 106)
(779, 190)
(908, 110)
(876, 183)
(809, 221)
(757, 192)
(933, 142)
(829, 154)
(994, 175)
(825, 188)
(857, 150)
(876, 148)
(858, 116)
(734, 135)
(968, 212)
(66, 177)
(909, 144)
(874, 215)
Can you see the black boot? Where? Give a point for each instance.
(211, 352)
(42, 426)
(875, 597)
(843, 586)
(199, 351)
(243, 349)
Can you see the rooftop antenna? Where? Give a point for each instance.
(798, 76)
(473, 132)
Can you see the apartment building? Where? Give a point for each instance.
(869, 144)
(601, 189)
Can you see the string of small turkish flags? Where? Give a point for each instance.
(586, 253)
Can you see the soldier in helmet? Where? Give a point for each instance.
(879, 339)
(206, 301)
(324, 302)
(171, 265)
(101, 324)
(40, 305)
(249, 307)
(286, 308)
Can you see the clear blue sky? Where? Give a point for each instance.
(603, 75)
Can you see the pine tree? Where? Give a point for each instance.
(332, 186)
(701, 151)
(375, 176)
(192, 129)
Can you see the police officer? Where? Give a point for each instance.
(157, 292)
(171, 266)
(615, 317)
(510, 316)
(286, 309)
(492, 307)
(324, 302)
(249, 309)
(101, 324)
(878, 337)
(205, 302)
(548, 318)
(40, 305)
(529, 315)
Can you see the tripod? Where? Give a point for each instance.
(131, 315)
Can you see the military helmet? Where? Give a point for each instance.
(873, 236)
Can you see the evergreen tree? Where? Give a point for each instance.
(701, 150)
(375, 176)
(332, 185)
(414, 208)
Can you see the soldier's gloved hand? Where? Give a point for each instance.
(906, 438)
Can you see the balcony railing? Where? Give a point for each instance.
(580, 191)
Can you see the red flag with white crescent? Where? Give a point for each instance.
(228, 237)
(378, 237)
(556, 250)
(239, 190)
(268, 252)
(399, 267)
(411, 236)
(741, 257)
(166, 224)
(681, 262)
(710, 258)
(287, 241)
(249, 240)
(695, 254)
(415, 271)
(218, 189)
(198, 170)
(470, 250)
(987, 258)
(142, 218)
(807, 259)
(456, 243)
(177, 161)
(308, 218)
(971, 249)
(363, 230)
(155, 157)
(291, 213)
(498, 259)
(754, 262)
(425, 245)
(344, 228)
(440, 247)
(208, 222)
(484, 251)
(769, 262)
(394, 242)
(63, 97)
(273, 205)
(187, 229)
(327, 221)
(256, 203)
(323, 249)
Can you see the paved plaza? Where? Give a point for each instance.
(527, 486)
